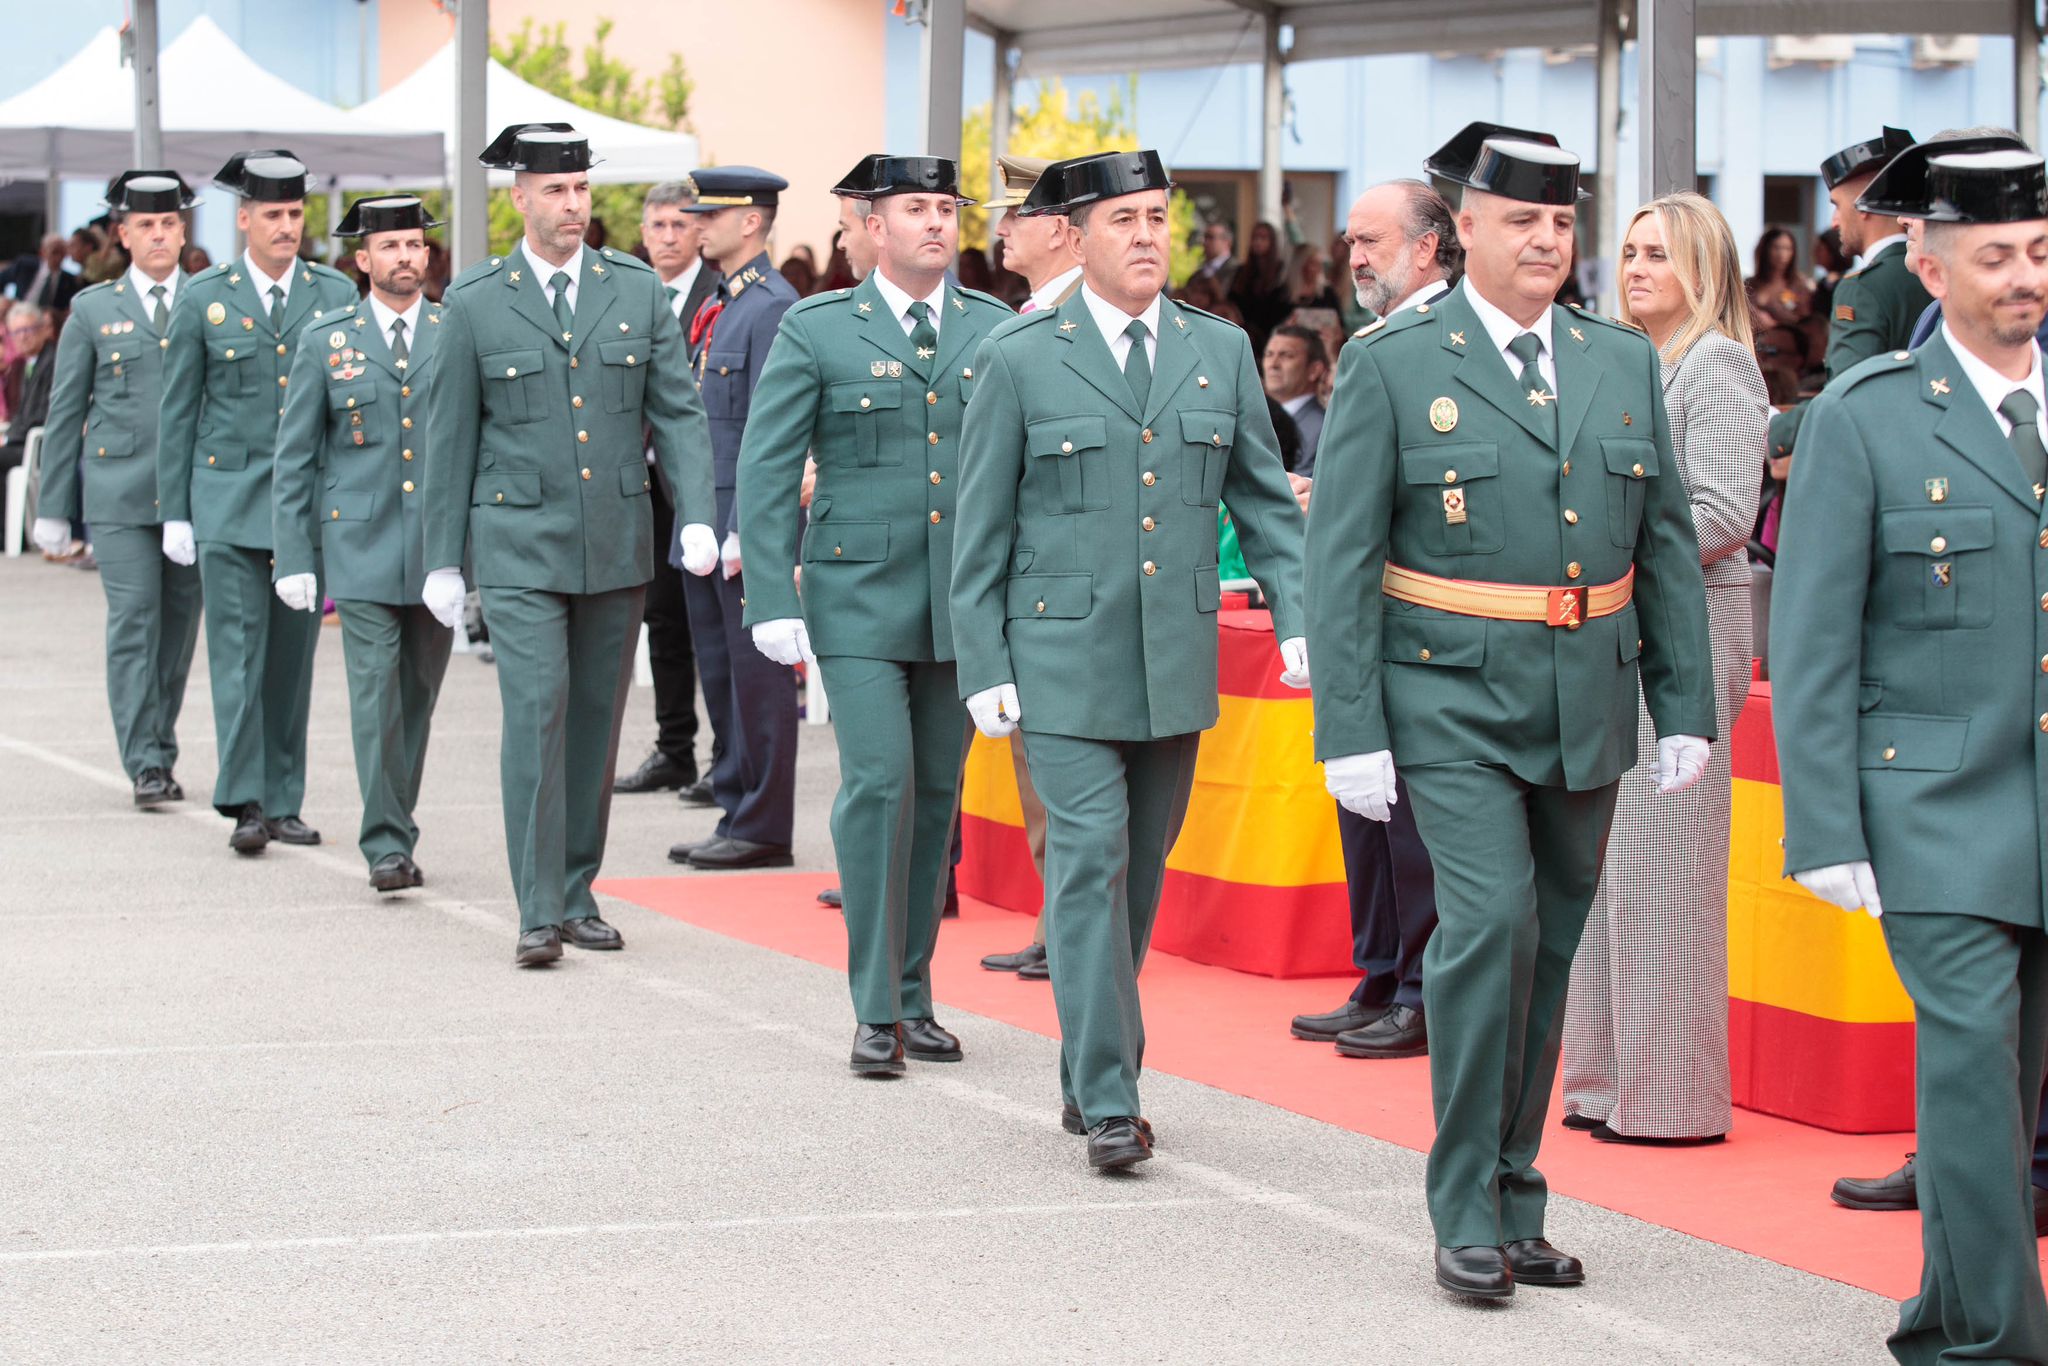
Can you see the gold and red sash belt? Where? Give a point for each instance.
(1570, 608)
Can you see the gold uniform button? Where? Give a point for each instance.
(1148, 524)
(103, 450)
(405, 391)
(838, 550)
(1146, 436)
(2044, 721)
(115, 356)
(1567, 467)
(1216, 438)
(723, 370)
(936, 518)
(1570, 518)
(283, 380)
(586, 471)
(351, 403)
(1066, 448)
(576, 401)
(1041, 604)
(501, 497)
(1151, 568)
(210, 460)
(1149, 479)
(936, 479)
(164, 343)
(2044, 602)
(865, 402)
(406, 423)
(572, 362)
(408, 455)
(334, 516)
(280, 348)
(932, 437)
(407, 486)
(1423, 655)
(1890, 753)
(1637, 471)
(1572, 570)
(583, 437)
(1450, 476)
(632, 359)
(2044, 664)
(931, 398)
(1938, 544)
(231, 353)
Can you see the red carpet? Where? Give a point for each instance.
(1764, 1191)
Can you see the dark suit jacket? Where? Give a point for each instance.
(22, 276)
(33, 409)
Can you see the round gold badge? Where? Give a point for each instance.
(1443, 414)
(337, 340)
(216, 314)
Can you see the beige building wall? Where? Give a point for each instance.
(791, 86)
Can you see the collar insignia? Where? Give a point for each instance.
(1069, 325)
(1577, 335)
(1457, 338)
(866, 308)
(515, 277)
(1939, 386)
(1539, 399)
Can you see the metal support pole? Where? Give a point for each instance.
(1274, 102)
(1607, 140)
(943, 61)
(1667, 79)
(469, 237)
(149, 122)
(1001, 111)
(2026, 71)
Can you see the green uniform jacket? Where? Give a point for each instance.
(351, 457)
(539, 468)
(1554, 705)
(1875, 309)
(1907, 636)
(225, 375)
(844, 383)
(1084, 564)
(103, 407)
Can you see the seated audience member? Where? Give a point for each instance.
(1292, 369)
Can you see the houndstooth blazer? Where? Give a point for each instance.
(1720, 420)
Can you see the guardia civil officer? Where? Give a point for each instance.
(226, 372)
(1910, 661)
(1100, 436)
(750, 698)
(551, 359)
(875, 380)
(351, 461)
(1499, 547)
(103, 412)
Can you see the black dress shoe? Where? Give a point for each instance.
(1070, 1120)
(1481, 1272)
(172, 792)
(878, 1051)
(927, 1042)
(1400, 1033)
(1013, 962)
(831, 897)
(589, 932)
(732, 853)
(1583, 1123)
(1118, 1143)
(680, 853)
(152, 787)
(1041, 971)
(657, 773)
(252, 832)
(1893, 1190)
(1533, 1261)
(292, 830)
(393, 873)
(1608, 1135)
(536, 947)
(1326, 1027)
(698, 794)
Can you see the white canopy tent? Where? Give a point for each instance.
(631, 152)
(216, 100)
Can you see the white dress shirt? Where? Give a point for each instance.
(1994, 388)
(142, 284)
(1298, 402)
(264, 282)
(1424, 295)
(681, 284)
(899, 301)
(1049, 293)
(1113, 320)
(1870, 252)
(384, 315)
(543, 272)
(1502, 329)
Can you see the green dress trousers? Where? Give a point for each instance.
(153, 609)
(565, 663)
(260, 659)
(396, 658)
(1113, 809)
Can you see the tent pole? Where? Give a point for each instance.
(149, 127)
(1667, 80)
(1271, 182)
(944, 56)
(1000, 112)
(2026, 71)
(469, 237)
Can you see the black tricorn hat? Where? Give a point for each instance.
(879, 175)
(1900, 189)
(1049, 193)
(1859, 157)
(1106, 175)
(149, 192)
(1982, 185)
(859, 183)
(385, 213)
(1514, 163)
(542, 148)
(273, 177)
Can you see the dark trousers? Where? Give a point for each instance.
(752, 703)
(669, 652)
(1393, 903)
(259, 659)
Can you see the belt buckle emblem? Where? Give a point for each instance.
(1566, 608)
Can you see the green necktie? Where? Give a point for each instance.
(1526, 348)
(400, 352)
(277, 308)
(924, 337)
(2021, 411)
(1138, 369)
(669, 292)
(158, 313)
(559, 282)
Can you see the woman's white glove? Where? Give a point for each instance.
(784, 640)
(1681, 759)
(443, 593)
(178, 545)
(1852, 886)
(1294, 662)
(700, 549)
(300, 592)
(995, 710)
(1363, 784)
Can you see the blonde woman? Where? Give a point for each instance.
(1646, 1027)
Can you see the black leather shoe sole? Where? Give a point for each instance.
(1122, 1155)
(1888, 1203)
(246, 842)
(698, 794)
(394, 877)
(1419, 1049)
(153, 796)
(886, 1067)
(1473, 1291)
(1554, 1280)
(301, 834)
(725, 859)
(1607, 1135)
(574, 939)
(1035, 972)
(936, 1055)
(538, 954)
(1070, 1120)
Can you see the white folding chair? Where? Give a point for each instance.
(21, 482)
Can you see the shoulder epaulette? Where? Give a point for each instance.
(103, 287)
(1889, 362)
(482, 270)
(322, 269)
(1392, 324)
(984, 298)
(1202, 313)
(624, 259)
(814, 301)
(1612, 324)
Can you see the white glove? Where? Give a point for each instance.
(300, 592)
(1681, 759)
(729, 553)
(700, 549)
(178, 544)
(1363, 784)
(784, 640)
(52, 535)
(1294, 661)
(995, 710)
(443, 593)
(1852, 886)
